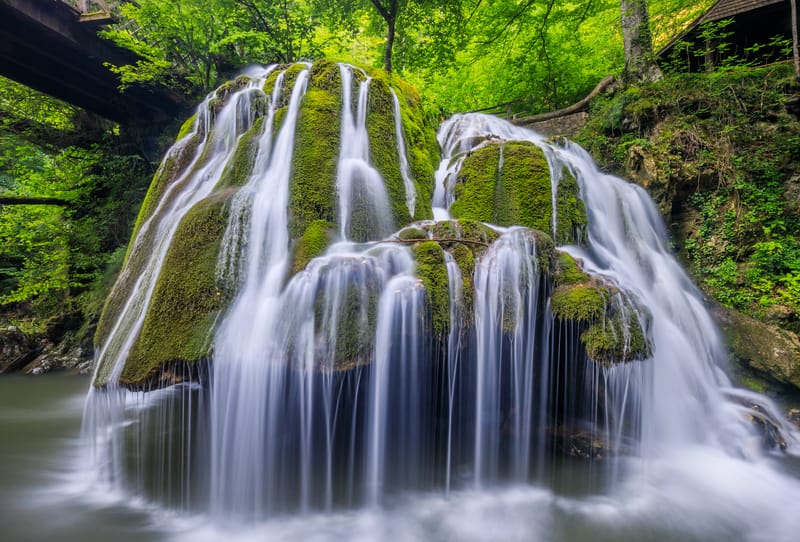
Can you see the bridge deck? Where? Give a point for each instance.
(44, 45)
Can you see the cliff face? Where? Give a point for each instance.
(720, 154)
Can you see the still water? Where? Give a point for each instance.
(699, 495)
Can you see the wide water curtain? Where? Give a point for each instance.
(370, 312)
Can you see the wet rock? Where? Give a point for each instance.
(794, 416)
(771, 437)
(767, 349)
(14, 346)
(48, 357)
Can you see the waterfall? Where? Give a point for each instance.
(360, 186)
(411, 192)
(387, 365)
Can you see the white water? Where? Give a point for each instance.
(411, 192)
(325, 389)
(362, 194)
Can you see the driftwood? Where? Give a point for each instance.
(574, 108)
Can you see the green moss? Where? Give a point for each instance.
(615, 340)
(571, 220)
(753, 383)
(325, 75)
(412, 233)
(225, 91)
(171, 170)
(237, 170)
(312, 244)
(567, 271)
(465, 259)
(519, 192)
(579, 302)
(312, 192)
(186, 127)
(187, 298)
(383, 148)
(432, 271)
(355, 325)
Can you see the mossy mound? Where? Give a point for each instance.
(509, 183)
(612, 331)
(616, 340)
(312, 192)
(345, 327)
(465, 241)
(313, 187)
(187, 299)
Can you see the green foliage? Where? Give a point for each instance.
(193, 44)
(53, 257)
(717, 152)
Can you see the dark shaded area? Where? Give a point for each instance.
(44, 45)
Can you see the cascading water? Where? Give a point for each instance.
(338, 386)
(361, 192)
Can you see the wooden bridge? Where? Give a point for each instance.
(52, 46)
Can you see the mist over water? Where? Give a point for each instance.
(329, 412)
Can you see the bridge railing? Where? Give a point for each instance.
(88, 6)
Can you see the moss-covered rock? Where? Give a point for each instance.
(237, 171)
(313, 243)
(616, 340)
(312, 192)
(345, 323)
(509, 183)
(187, 299)
(432, 271)
(611, 329)
(384, 153)
(186, 127)
(767, 349)
(579, 302)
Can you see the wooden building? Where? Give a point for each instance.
(741, 25)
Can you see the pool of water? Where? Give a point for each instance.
(46, 493)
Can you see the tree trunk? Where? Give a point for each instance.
(640, 65)
(388, 11)
(387, 54)
(795, 52)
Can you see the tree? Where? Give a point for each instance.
(640, 65)
(388, 10)
(195, 43)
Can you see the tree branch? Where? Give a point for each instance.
(574, 108)
(25, 200)
(438, 240)
(516, 16)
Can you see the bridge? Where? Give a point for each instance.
(52, 46)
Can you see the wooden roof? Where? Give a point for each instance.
(724, 9)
